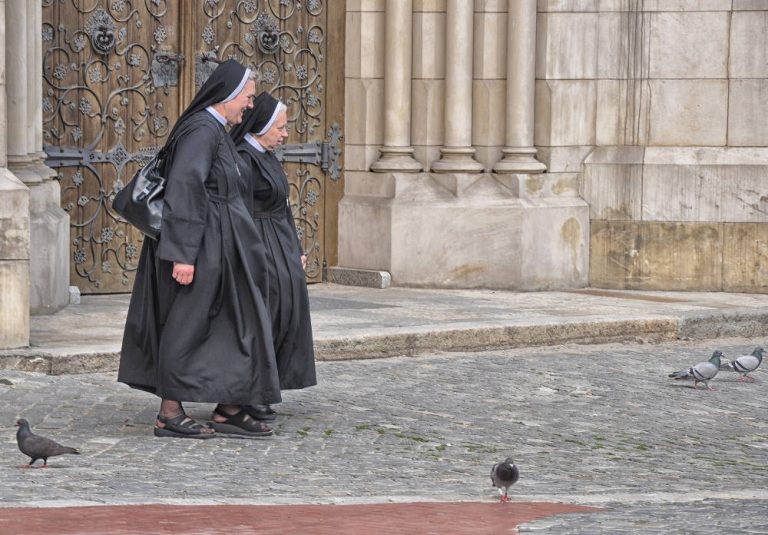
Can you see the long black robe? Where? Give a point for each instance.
(210, 341)
(288, 298)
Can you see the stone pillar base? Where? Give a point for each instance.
(519, 160)
(49, 254)
(462, 231)
(14, 261)
(457, 160)
(49, 239)
(396, 160)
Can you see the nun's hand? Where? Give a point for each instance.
(183, 273)
(304, 262)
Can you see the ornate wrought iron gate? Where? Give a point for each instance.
(117, 73)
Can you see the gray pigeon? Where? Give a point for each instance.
(504, 475)
(37, 447)
(745, 364)
(703, 372)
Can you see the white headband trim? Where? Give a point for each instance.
(239, 87)
(280, 107)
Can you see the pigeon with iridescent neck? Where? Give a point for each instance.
(37, 447)
(703, 372)
(504, 475)
(745, 364)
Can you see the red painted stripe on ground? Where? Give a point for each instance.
(369, 519)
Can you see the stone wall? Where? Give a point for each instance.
(664, 112)
(458, 198)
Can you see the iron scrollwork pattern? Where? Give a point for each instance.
(98, 99)
(283, 40)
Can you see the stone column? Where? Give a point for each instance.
(14, 229)
(397, 152)
(17, 56)
(519, 152)
(457, 154)
(48, 223)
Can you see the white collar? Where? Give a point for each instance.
(219, 117)
(253, 142)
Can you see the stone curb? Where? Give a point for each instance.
(707, 325)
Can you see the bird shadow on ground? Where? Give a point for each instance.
(49, 467)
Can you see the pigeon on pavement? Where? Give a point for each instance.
(37, 447)
(703, 372)
(745, 364)
(504, 475)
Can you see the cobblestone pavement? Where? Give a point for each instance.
(591, 425)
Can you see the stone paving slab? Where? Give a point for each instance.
(352, 323)
(588, 425)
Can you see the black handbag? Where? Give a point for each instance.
(140, 202)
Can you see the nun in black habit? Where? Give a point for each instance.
(264, 128)
(198, 328)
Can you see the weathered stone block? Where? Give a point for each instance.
(566, 46)
(14, 217)
(359, 277)
(747, 110)
(14, 305)
(689, 112)
(750, 5)
(567, 159)
(364, 105)
(49, 260)
(705, 184)
(544, 6)
(749, 44)
(745, 257)
(14, 261)
(689, 45)
(491, 6)
(428, 5)
(360, 157)
(613, 183)
(669, 5)
(565, 112)
(622, 114)
(365, 5)
(364, 49)
(656, 256)
(623, 44)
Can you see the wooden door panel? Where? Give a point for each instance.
(114, 85)
(103, 112)
(286, 42)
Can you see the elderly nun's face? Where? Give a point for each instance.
(233, 110)
(276, 134)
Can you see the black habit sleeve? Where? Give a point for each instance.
(186, 201)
